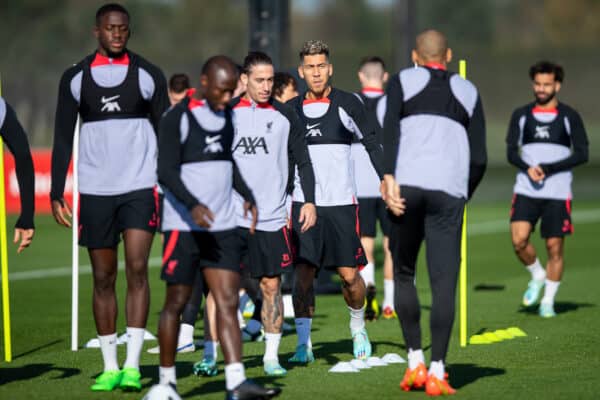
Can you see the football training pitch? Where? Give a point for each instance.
(558, 359)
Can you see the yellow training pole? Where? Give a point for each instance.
(462, 70)
(4, 258)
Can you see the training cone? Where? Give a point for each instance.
(393, 358)
(517, 332)
(491, 337)
(504, 334)
(343, 367)
(478, 339)
(359, 364)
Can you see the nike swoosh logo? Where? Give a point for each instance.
(105, 100)
(212, 139)
(312, 126)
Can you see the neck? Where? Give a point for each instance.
(247, 97)
(310, 95)
(435, 65)
(106, 53)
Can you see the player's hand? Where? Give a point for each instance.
(62, 212)
(390, 192)
(308, 216)
(202, 216)
(254, 212)
(536, 173)
(25, 236)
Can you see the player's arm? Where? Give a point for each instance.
(580, 152)
(477, 146)
(15, 138)
(240, 186)
(390, 191)
(67, 109)
(512, 142)
(366, 134)
(159, 102)
(298, 156)
(169, 158)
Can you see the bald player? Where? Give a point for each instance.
(435, 156)
(198, 174)
(372, 77)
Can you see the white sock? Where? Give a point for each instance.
(234, 375)
(166, 375)
(437, 369)
(272, 346)
(253, 326)
(186, 334)
(368, 274)
(537, 271)
(303, 331)
(388, 293)
(415, 357)
(550, 291)
(108, 346)
(135, 341)
(357, 318)
(210, 349)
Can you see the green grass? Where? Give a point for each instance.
(558, 359)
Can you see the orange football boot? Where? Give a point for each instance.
(414, 378)
(436, 387)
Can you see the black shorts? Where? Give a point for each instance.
(555, 214)
(267, 253)
(371, 209)
(333, 242)
(184, 253)
(102, 219)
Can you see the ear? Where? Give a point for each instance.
(330, 70)
(361, 76)
(448, 55)
(386, 76)
(244, 78)
(557, 86)
(415, 57)
(300, 72)
(96, 31)
(203, 81)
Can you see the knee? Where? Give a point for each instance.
(226, 303)
(519, 242)
(269, 287)
(554, 252)
(104, 283)
(352, 279)
(137, 272)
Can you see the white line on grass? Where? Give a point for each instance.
(475, 229)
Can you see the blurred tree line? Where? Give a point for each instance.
(500, 39)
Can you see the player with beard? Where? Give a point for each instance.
(120, 98)
(546, 140)
(332, 118)
(198, 174)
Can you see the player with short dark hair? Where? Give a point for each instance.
(435, 157)
(179, 84)
(120, 98)
(284, 87)
(373, 76)
(546, 140)
(15, 139)
(332, 118)
(269, 141)
(198, 174)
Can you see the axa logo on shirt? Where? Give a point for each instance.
(213, 144)
(542, 132)
(312, 130)
(110, 104)
(250, 145)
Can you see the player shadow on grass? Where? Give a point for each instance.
(464, 374)
(218, 386)
(31, 371)
(559, 307)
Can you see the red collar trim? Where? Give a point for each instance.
(372, 90)
(540, 110)
(310, 101)
(248, 103)
(103, 60)
(435, 65)
(190, 92)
